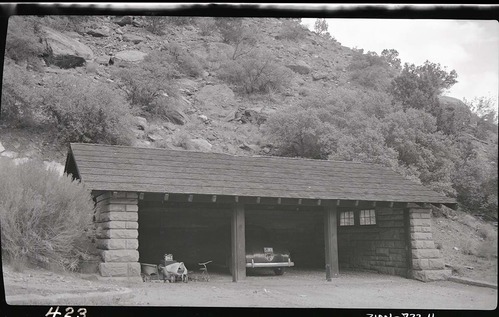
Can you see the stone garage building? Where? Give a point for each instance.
(197, 206)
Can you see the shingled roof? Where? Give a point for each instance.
(121, 168)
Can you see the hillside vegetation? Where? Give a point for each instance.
(244, 86)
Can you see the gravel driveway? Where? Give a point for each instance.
(296, 288)
(301, 288)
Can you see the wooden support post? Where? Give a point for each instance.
(331, 242)
(238, 243)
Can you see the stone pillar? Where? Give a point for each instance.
(117, 234)
(427, 264)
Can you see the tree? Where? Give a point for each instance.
(391, 57)
(371, 71)
(258, 72)
(419, 86)
(320, 26)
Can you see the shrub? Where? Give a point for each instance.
(20, 97)
(206, 25)
(43, 216)
(180, 20)
(256, 73)
(87, 111)
(150, 87)
(184, 62)
(292, 30)
(155, 24)
(231, 29)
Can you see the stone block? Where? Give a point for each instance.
(111, 207)
(420, 264)
(422, 244)
(421, 236)
(420, 222)
(113, 225)
(132, 225)
(382, 251)
(436, 264)
(119, 255)
(133, 269)
(113, 269)
(119, 216)
(133, 208)
(123, 201)
(425, 254)
(431, 275)
(117, 244)
(118, 234)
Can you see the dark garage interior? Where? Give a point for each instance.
(200, 232)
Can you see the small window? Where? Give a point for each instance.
(367, 217)
(346, 218)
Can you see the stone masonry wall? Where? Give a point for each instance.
(381, 247)
(117, 234)
(427, 263)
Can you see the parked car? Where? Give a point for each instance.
(263, 252)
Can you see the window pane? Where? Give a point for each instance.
(346, 218)
(367, 217)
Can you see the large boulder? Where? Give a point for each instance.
(122, 21)
(130, 56)
(63, 51)
(215, 95)
(201, 145)
(299, 67)
(102, 31)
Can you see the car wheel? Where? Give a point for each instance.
(279, 271)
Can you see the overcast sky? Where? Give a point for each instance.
(471, 47)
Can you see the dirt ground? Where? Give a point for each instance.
(296, 288)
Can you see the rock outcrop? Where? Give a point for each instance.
(63, 51)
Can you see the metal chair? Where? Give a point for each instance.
(205, 275)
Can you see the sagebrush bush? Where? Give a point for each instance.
(21, 98)
(256, 73)
(206, 25)
(43, 216)
(292, 30)
(155, 24)
(182, 60)
(88, 111)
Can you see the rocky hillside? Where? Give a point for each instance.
(210, 116)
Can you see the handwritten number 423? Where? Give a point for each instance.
(69, 311)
